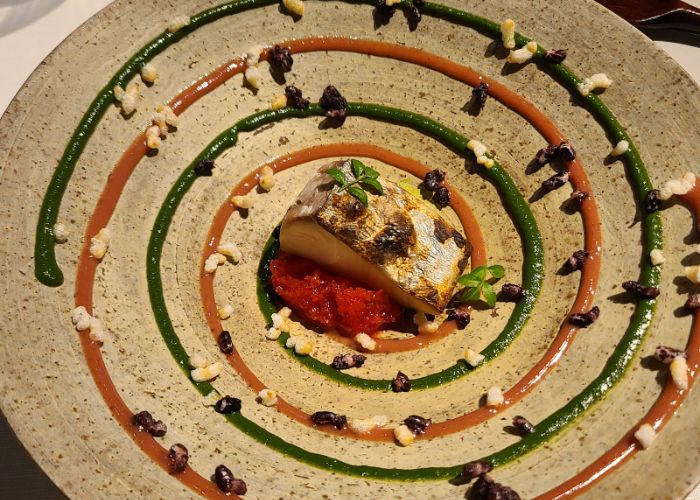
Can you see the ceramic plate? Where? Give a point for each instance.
(586, 390)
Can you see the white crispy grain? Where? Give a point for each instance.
(645, 435)
(508, 33)
(267, 397)
(80, 318)
(494, 396)
(403, 435)
(60, 233)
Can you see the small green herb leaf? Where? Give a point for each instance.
(479, 273)
(338, 175)
(497, 271)
(469, 281)
(371, 173)
(358, 168)
(476, 286)
(489, 294)
(372, 183)
(358, 193)
(470, 294)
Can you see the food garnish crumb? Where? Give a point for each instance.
(577, 197)
(100, 243)
(97, 331)
(403, 435)
(197, 361)
(417, 424)
(60, 233)
(667, 354)
(302, 346)
(522, 425)
(252, 55)
(366, 342)
(523, 54)
(639, 290)
(146, 423)
(178, 457)
(266, 177)
(346, 361)
(473, 358)
(153, 137)
(231, 251)
(555, 56)
(279, 102)
(223, 477)
(204, 167)
(645, 435)
(693, 302)
(494, 396)
(207, 373)
(80, 318)
(620, 148)
(512, 292)
(679, 372)
(225, 311)
(677, 186)
(462, 318)
(508, 33)
(334, 103)
(295, 7)
(127, 98)
(480, 94)
(475, 469)
(329, 418)
(225, 342)
(149, 73)
(657, 257)
(365, 425)
(227, 405)
(480, 150)
(177, 23)
(213, 262)
(693, 274)
(267, 397)
(272, 333)
(575, 262)
(253, 76)
(584, 320)
(595, 82)
(211, 398)
(295, 98)
(485, 487)
(281, 58)
(245, 201)
(651, 201)
(164, 117)
(555, 182)
(401, 383)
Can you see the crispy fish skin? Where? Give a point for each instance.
(396, 243)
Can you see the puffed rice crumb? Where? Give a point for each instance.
(149, 73)
(295, 7)
(645, 435)
(60, 233)
(267, 397)
(177, 23)
(494, 396)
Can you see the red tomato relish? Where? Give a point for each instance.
(328, 300)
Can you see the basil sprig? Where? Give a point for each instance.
(364, 178)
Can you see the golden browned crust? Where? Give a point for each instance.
(412, 244)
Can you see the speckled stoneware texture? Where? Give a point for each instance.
(49, 396)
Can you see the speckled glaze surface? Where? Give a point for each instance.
(49, 396)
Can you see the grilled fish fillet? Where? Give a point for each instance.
(396, 243)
